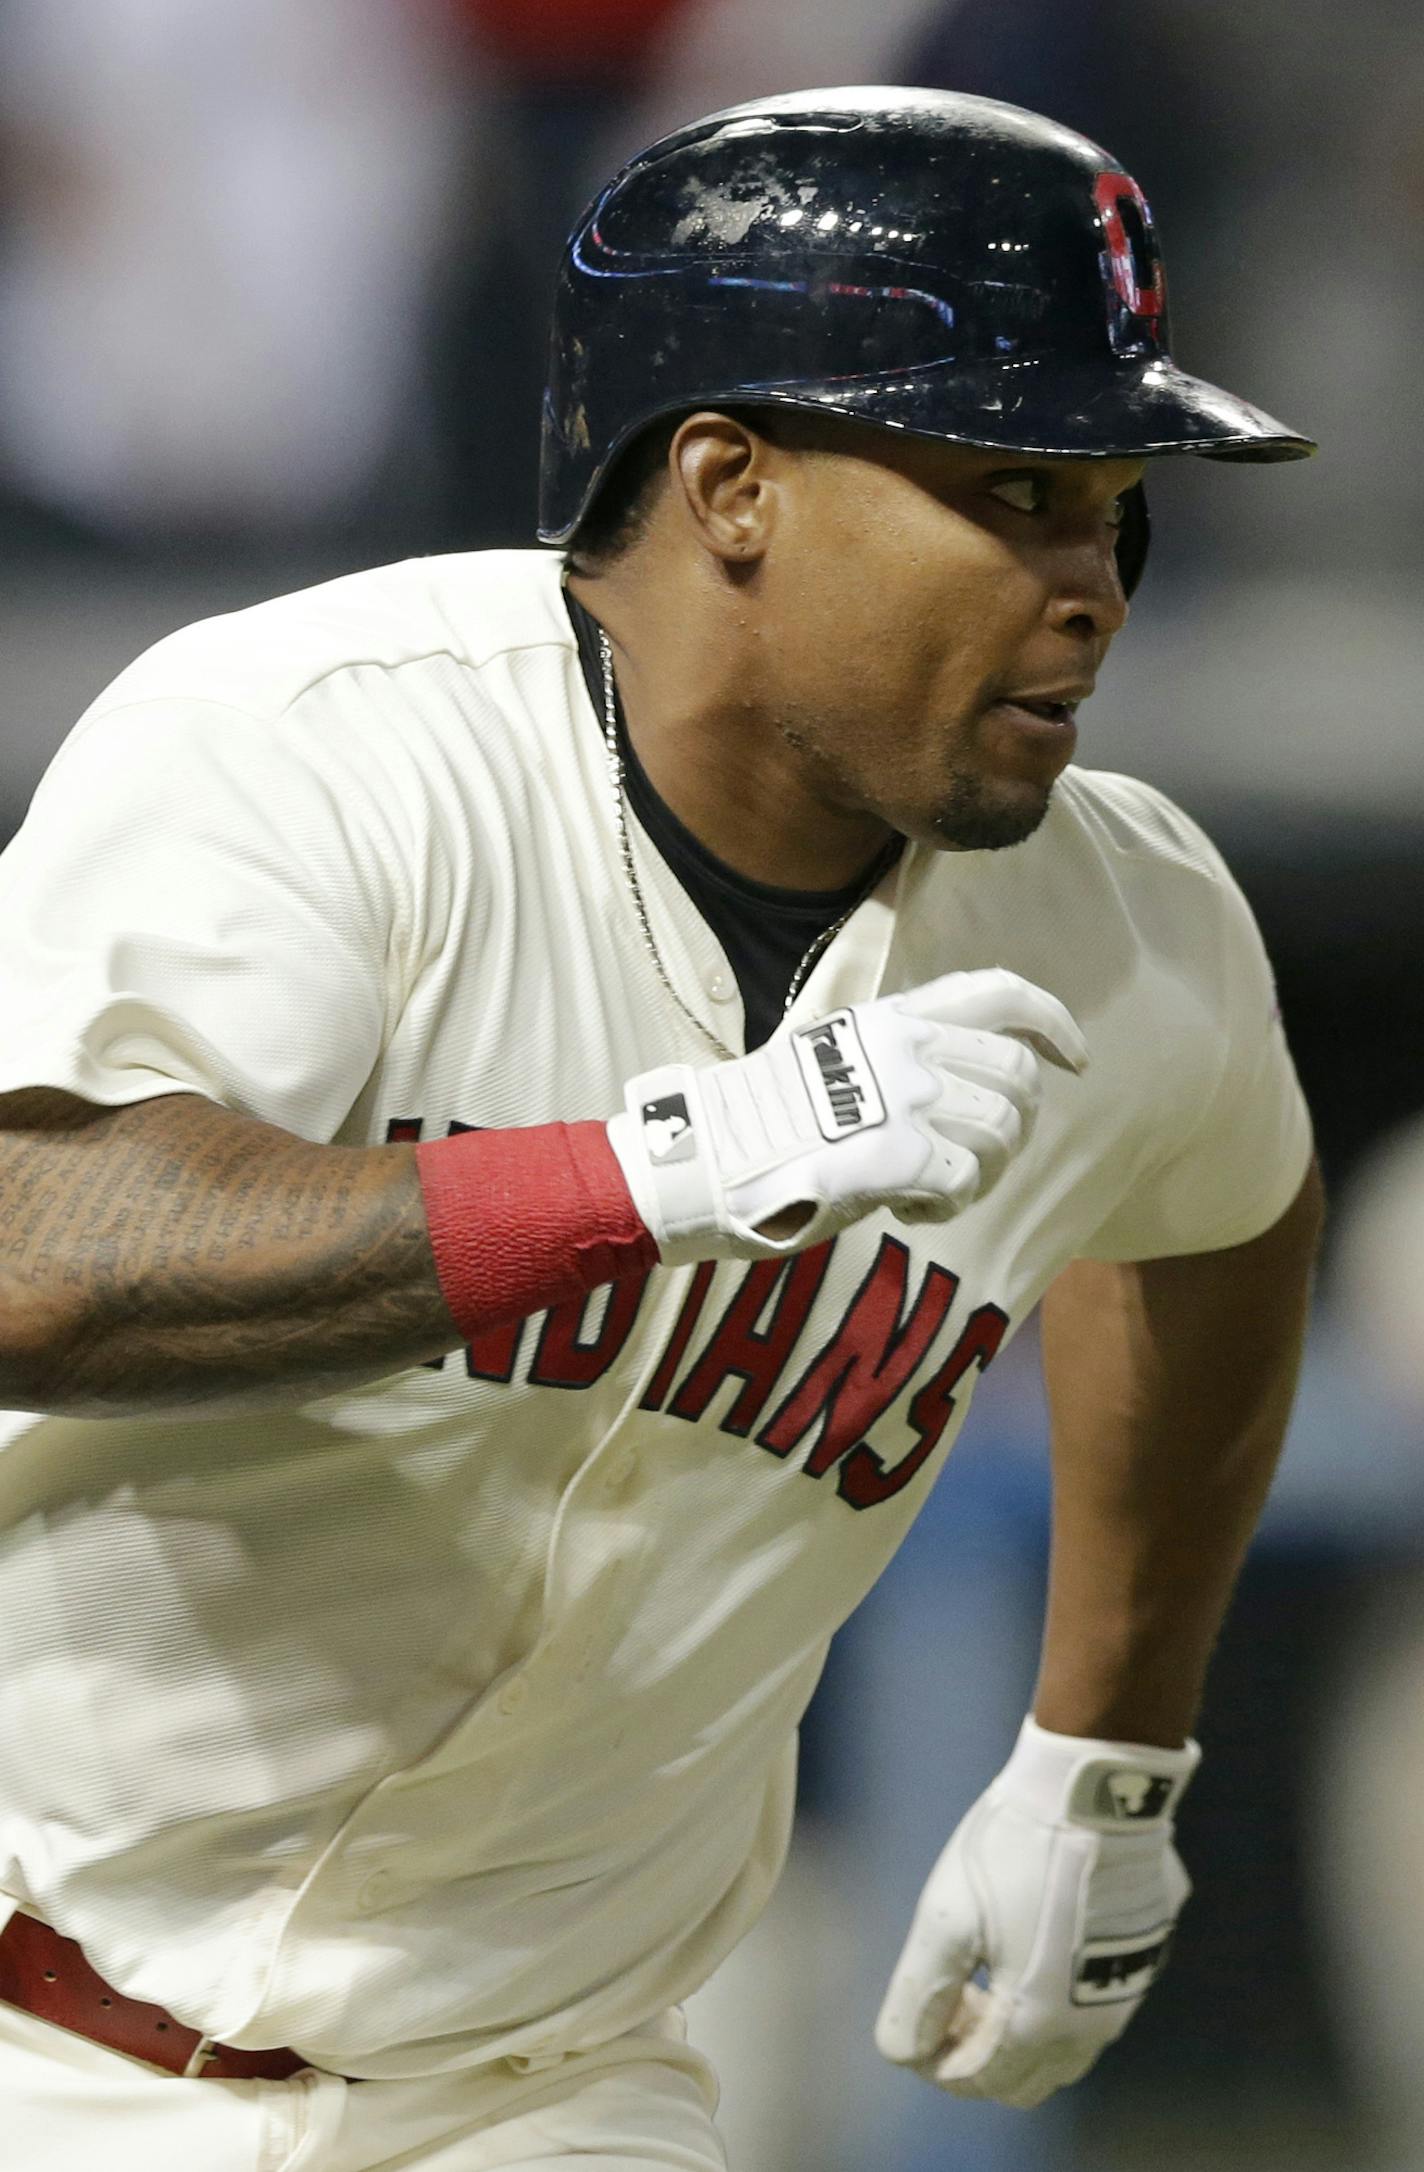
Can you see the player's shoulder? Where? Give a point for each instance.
(466, 608)
(1131, 826)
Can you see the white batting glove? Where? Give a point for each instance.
(1062, 1885)
(915, 1102)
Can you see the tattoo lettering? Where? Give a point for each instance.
(176, 1253)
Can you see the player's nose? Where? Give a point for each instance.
(1087, 598)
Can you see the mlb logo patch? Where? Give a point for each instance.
(1135, 1796)
(667, 1130)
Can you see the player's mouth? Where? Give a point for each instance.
(1043, 713)
(1047, 704)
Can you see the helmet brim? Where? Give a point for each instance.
(1132, 409)
(1127, 410)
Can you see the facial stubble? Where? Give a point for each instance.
(969, 819)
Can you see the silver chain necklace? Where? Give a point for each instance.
(625, 843)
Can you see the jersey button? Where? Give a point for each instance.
(513, 1694)
(719, 987)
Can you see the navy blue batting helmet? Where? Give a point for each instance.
(921, 260)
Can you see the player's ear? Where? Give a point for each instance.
(720, 470)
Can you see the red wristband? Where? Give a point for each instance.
(523, 1219)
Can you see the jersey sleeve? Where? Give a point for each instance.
(194, 904)
(1232, 1171)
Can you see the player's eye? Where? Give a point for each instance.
(1117, 511)
(1025, 493)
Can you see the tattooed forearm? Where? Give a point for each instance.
(174, 1253)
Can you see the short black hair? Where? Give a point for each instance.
(619, 513)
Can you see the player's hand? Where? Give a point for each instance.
(1061, 1887)
(915, 1102)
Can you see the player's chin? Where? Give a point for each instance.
(982, 814)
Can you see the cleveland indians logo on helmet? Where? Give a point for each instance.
(1131, 265)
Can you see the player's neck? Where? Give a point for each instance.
(728, 774)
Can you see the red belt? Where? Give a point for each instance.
(48, 1976)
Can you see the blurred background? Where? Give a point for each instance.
(273, 282)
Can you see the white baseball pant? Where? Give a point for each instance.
(642, 2103)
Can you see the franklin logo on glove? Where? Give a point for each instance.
(1120, 1968)
(838, 1076)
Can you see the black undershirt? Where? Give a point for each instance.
(764, 930)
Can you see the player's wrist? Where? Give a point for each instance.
(526, 1218)
(661, 1141)
(1090, 1781)
(684, 1178)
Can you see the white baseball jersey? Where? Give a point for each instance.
(455, 1718)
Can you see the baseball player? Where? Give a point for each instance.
(534, 1084)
